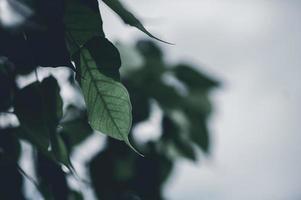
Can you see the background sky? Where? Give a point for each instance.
(253, 47)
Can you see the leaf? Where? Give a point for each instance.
(38, 107)
(83, 22)
(199, 133)
(108, 103)
(51, 177)
(9, 145)
(15, 48)
(128, 17)
(142, 109)
(193, 79)
(76, 127)
(106, 56)
(48, 47)
(7, 86)
(46, 41)
(196, 110)
(42, 43)
(197, 103)
(172, 134)
(11, 179)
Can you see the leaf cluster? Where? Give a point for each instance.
(69, 33)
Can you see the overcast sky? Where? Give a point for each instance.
(254, 48)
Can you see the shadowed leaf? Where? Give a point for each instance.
(76, 128)
(38, 107)
(83, 22)
(7, 86)
(106, 56)
(11, 180)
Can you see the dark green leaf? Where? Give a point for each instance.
(199, 133)
(193, 79)
(47, 40)
(52, 179)
(11, 180)
(38, 107)
(106, 56)
(9, 145)
(197, 104)
(15, 48)
(82, 23)
(172, 134)
(7, 86)
(76, 127)
(141, 110)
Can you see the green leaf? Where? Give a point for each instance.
(199, 134)
(193, 79)
(197, 103)
(128, 17)
(76, 127)
(142, 109)
(11, 179)
(108, 103)
(83, 22)
(38, 107)
(106, 56)
(47, 43)
(7, 86)
(9, 145)
(173, 135)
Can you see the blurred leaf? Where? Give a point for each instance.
(76, 128)
(111, 182)
(11, 180)
(7, 86)
(193, 79)
(199, 133)
(42, 44)
(150, 173)
(172, 135)
(47, 40)
(38, 107)
(167, 96)
(108, 103)
(9, 146)
(197, 108)
(197, 103)
(60, 151)
(15, 48)
(52, 179)
(141, 110)
(83, 22)
(74, 195)
(150, 51)
(128, 17)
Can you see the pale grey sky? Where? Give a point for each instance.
(253, 47)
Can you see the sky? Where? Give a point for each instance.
(253, 47)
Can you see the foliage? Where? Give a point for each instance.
(69, 34)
